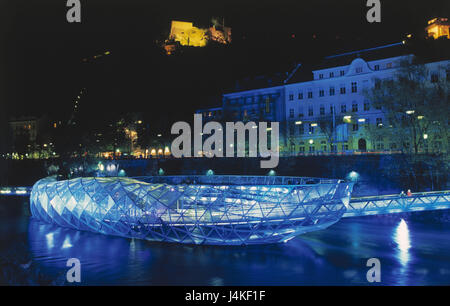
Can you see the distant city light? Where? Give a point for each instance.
(311, 141)
(271, 173)
(410, 112)
(298, 122)
(313, 124)
(425, 136)
(361, 120)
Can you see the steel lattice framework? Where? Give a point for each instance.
(388, 204)
(221, 210)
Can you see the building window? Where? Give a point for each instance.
(389, 65)
(366, 106)
(342, 90)
(321, 76)
(331, 74)
(291, 97)
(310, 94)
(321, 93)
(322, 110)
(343, 108)
(354, 87)
(311, 128)
(291, 113)
(302, 149)
(332, 91)
(300, 95)
(379, 122)
(354, 107)
(434, 78)
(292, 129)
(345, 147)
(300, 112)
(342, 72)
(377, 83)
(301, 129)
(376, 67)
(355, 127)
(358, 69)
(310, 111)
(311, 149)
(268, 104)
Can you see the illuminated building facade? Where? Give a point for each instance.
(186, 34)
(25, 125)
(216, 210)
(438, 27)
(333, 96)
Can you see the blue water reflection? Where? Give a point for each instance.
(411, 252)
(336, 256)
(402, 238)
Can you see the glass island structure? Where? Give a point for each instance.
(214, 210)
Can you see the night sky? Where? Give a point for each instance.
(42, 53)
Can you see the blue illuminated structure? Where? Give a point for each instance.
(217, 210)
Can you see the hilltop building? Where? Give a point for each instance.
(438, 27)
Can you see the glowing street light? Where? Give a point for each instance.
(353, 176)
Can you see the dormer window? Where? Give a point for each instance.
(376, 67)
(358, 69)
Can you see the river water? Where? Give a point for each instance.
(411, 252)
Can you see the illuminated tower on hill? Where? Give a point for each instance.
(438, 27)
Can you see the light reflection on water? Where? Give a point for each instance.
(402, 238)
(411, 253)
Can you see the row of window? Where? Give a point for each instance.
(332, 92)
(312, 127)
(343, 109)
(357, 70)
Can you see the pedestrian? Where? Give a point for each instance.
(408, 193)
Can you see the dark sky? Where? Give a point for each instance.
(43, 72)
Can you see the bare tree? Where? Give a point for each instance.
(415, 103)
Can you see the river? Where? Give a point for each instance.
(411, 252)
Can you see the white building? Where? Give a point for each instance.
(334, 94)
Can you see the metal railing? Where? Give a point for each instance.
(235, 180)
(388, 204)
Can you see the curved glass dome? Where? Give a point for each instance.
(220, 210)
